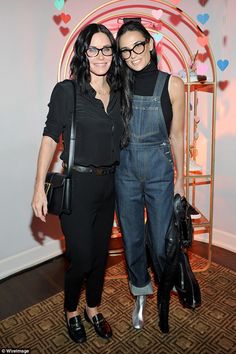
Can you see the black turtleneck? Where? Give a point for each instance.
(144, 84)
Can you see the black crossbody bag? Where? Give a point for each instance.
(58, 185)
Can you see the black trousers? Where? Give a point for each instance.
(87, 232)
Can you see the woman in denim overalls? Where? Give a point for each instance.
(145, 176)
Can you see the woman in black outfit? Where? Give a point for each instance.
(99, 130)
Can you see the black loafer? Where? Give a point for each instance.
(76, 329)
(101, 326)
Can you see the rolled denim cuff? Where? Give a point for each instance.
(145, 290)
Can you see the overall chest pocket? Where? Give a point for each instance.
(145, 120)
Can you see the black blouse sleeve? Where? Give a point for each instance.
(60, 107)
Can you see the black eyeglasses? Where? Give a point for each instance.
(93, 51)
(137, 49)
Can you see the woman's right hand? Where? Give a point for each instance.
(39, 204)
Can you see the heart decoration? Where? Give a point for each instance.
(175, 2)
(203, 41)
(64, 30)
(175, 19)
(222, 64)
(202, 57)
(202, 68)
(203, 2)
(65, 17)
(223, 84)
(157, 14)
(158, 37)
(203, 18)
(57, 19)
(225, 40)
(59, 4)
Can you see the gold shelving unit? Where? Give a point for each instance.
(203, 225)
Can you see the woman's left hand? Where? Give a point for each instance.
(179, 186)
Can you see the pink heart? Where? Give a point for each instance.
(64, 30)
(225, 40)
(157, 13)
(223, 84)
(175, 2)
(65, 17)
(202, 68)
(57, 19)
(175, 19)
(203, 41)
(203, 2)
(202, 56)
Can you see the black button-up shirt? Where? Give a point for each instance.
(98, 133)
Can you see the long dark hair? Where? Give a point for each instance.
(127, 77)
(79, 65)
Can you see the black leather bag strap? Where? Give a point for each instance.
(71, 155)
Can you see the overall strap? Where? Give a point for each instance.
(161, 79)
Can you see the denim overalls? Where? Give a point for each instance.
(145, 178)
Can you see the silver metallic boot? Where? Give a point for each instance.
(138, 312)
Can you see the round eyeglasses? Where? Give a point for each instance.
(93, 51)
(137, 49)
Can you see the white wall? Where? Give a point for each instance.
(31, 44)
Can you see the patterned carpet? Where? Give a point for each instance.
(209, 329)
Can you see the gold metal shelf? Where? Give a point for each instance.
(203, 225)
(198, 176)
(206, 86)
(200, 183)
(201, 222)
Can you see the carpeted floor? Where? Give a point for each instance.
(209, 329)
